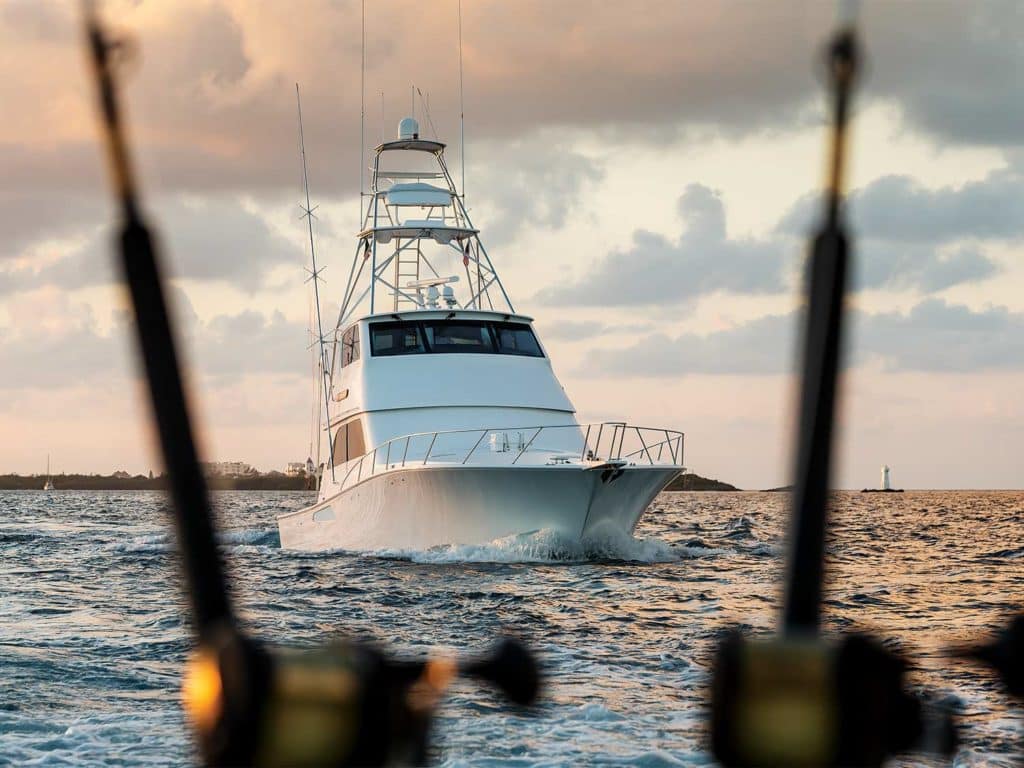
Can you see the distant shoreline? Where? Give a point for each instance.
(269, 482)
(277, 481)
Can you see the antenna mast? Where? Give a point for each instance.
(425, 103)
(362, 107)
(314, 276)
(462, 111)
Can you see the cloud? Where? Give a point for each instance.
(249, 343)
(953, 69)
(577, 330)
(900, 210)
(934, 336)
(905, 233)
(205, 239)
(65, 346)
(703, 259)
(210, 91)
(940, 337)
(538, 183)
(28, 217)
(762, 346)
(906, 237)
(60, 347)
(912, 266)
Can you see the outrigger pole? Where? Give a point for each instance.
(314, 276)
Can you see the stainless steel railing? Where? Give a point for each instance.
(536, 446)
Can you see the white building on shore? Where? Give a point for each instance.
(227, 468)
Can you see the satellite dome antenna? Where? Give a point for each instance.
(408, 129)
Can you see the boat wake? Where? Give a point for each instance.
(604, 544)
(549, 546)
(158, 543)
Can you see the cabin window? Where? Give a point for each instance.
(458, 336)
(348, 442)
(350, 346)
(516, 339)
(396, 339)
(453, 336)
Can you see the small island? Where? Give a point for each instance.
(692, 482)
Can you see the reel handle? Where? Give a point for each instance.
(343, 704)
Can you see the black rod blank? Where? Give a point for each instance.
(822, 346)
(211, 607)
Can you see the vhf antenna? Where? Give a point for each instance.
(314, 276)
(362, 107)
(426, 111)
(462, 111)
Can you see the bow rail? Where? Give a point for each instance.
(535, 446)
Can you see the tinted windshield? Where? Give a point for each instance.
(462, 336)
(453, 336)
(396, 339)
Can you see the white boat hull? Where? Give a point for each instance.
(420, 507)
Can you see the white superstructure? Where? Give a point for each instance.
(445, 422)
(886, 486)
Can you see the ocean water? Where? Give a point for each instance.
(92, 636)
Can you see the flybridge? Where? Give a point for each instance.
(418, 248)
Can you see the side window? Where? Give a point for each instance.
(350, 346)
(516, 339)
(356, 444)
(348, 442)
(341, 445)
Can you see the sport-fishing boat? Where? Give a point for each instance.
(445, 422)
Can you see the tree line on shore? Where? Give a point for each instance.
(272, 481)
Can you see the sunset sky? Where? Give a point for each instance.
(644, 174)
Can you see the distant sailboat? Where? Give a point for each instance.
(48, 485)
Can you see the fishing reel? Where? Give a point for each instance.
(345, 704)
(804, 701)
(1004, 654)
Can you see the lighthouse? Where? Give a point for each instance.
(885, 486)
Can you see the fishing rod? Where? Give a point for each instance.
(344, 704)
(797, 699)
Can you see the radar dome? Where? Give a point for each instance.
(408, 128)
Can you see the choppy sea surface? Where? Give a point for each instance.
(92, 636)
